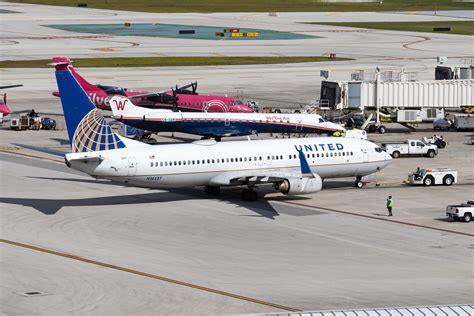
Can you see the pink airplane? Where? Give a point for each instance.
(179, 98)
(4, 108)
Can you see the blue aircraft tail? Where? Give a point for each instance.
(86, 127)
(305, 169)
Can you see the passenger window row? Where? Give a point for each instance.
(322, 155)
(241, 159)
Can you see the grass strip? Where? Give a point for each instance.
(167, 61)
(260, 5)
(457, 27)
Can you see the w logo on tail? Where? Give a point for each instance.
(119, 104)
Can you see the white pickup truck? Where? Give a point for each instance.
(410, 147)
(462, 211)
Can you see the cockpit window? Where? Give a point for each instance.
(321, 120)
(378, 149)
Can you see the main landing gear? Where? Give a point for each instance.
(249, 195)
(358, 183)
(211, 190)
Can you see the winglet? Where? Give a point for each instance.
(305, 169)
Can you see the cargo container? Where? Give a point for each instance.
(464, 121)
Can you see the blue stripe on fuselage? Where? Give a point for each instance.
(218, 128)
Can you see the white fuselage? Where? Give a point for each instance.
(204, 163)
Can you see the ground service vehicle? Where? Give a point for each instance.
(23, 122)
(430, 177)
(462, 211)
(464, 121)
(436, 140)
(410, 147)
(48, 123)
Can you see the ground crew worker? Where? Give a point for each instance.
(389, 205)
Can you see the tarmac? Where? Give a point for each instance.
(83, 246)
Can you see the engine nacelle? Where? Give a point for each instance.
(297, 186)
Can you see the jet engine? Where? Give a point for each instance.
(297, 186)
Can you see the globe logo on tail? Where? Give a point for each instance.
(94, 134)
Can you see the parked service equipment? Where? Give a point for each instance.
(443, 123)
(464, 121)
(436, 140)
(410, 147)
(48, 123)
(428, 177)
(25, 121)
(462, 211)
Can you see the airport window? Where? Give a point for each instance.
(156, 164)
(151, 164)
(189, 162)
(161, 164)
(289, 156)
(268, 157)
(260, 158)
(250, 158)
(179, 163)
(327, 154)
(175, 163)
(184, 162)
(343, 153)
(281, 157)
(240, 159)
(245, 158)
(313, 155)
(231, 159)
(217, 160)
(197, 162)
(213, 160)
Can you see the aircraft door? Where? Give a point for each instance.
(365, 154)
(132, 166)
(267, 159)
(299, 126)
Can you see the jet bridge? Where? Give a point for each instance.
(401, 101)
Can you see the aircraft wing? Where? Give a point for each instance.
(159, 94)
(262, 177)
(245, 178)
(148, 95)
(11, 86)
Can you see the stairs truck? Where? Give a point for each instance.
(410, 147)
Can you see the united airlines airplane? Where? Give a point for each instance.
(292, 166)
(217, 125)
